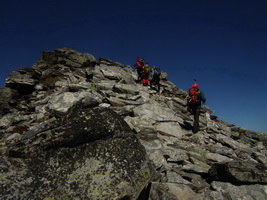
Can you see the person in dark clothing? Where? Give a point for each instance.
(195, 99)
(155, 77)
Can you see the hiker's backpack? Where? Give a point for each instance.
(139, 64)
(146, 69)
(193, 96)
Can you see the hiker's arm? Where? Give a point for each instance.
(203, 98)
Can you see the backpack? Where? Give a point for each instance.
(139, 63)
(193, 96)
(146, 69)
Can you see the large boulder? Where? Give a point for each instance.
(64, 57)
(88, 154)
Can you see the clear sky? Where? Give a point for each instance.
(221, 43)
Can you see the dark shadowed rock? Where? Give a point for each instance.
(239, 172)
(23, 80)
(7, 99)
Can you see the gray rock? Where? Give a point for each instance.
(156, 113)
(217, 157)
(171, 191)
(232, 143)
(7, 120)
(195, 169)
(62, 103)
(230, 191)
(125, 88)
(170, 128)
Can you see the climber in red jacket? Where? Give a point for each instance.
(194, 100)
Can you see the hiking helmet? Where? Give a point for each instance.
(195, 85)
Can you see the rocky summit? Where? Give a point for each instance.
(74, 127)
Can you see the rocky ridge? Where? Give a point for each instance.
(73, 127)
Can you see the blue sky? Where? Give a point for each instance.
(222, 43)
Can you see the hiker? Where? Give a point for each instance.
(139, 67)
(146, 74)
(155, 77)
(195, 98)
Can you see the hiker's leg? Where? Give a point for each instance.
(151, 82)
(196, 120)
(139, 75)
(158, 85)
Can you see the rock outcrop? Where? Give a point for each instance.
(74, 127)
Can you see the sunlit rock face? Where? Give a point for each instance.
(74, 127)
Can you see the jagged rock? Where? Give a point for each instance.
(73, 127)
(229, 191)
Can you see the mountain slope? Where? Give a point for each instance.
(80, 128)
